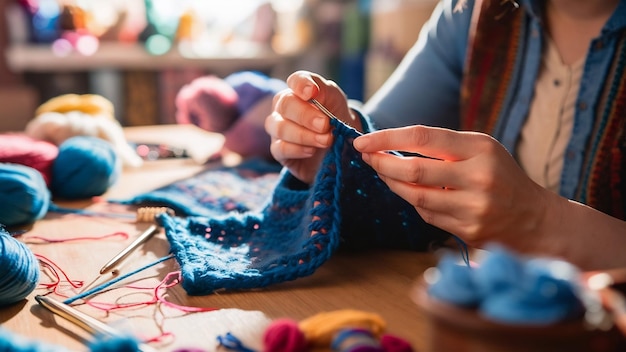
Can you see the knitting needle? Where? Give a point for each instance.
(86, 322)
(124, 253)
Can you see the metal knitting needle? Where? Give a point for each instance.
(84, 321)
(124, 253)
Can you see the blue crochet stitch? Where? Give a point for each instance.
(298, 228)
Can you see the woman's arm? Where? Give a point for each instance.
(425, 88)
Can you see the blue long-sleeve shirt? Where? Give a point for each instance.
(425, 88)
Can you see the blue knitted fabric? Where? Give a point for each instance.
(297, 228)
(215, 191)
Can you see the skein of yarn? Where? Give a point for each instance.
(19, 270)
(284, 335)
(24, 195)
(21, 149)
(86, 167)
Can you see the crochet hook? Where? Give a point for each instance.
(124, 253)
(84, 321)
(326, 112)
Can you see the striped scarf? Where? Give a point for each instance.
(496, 47)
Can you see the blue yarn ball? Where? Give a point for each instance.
(456, 283)
(24, 196)
(19, 270)
(114, 344)
(86, 167)
(12, 342)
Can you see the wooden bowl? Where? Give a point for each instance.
(458, 329)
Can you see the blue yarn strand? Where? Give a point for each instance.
(62, 210)
(232, 343)
(116, 280)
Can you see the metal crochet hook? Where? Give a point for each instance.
(326, 112)
(84, 321)
(124, 253)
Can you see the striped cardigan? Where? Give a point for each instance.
(497, 36)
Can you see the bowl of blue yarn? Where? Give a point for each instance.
(508, 303)
(19, 270)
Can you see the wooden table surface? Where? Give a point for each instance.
(378, 281)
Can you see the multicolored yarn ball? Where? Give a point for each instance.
(356, 340)
(320, 329)
(19, 270)
(24, 150)
(255, 91)
(207, 102)
(284, 335)
(85, 167)
(24, 195)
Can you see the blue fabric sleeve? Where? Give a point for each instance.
(425, 87)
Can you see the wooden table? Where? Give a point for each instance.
(377, 281)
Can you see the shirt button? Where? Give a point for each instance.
(570, 155)
(582, 106)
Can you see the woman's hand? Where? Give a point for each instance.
(300, 132)
(470, 186)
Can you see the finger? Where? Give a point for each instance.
(439, 207)
(301, 112)
(434, 142)
(291, 132)
(303, 84)
(282, 150)
(416, 170)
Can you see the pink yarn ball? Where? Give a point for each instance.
(23, 150)
(207, 102)
(393, 343)
(284, 335)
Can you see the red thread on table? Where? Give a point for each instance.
(172, 279)
(54, 269)
(43, 240)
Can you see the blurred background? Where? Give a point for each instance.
(139, 53)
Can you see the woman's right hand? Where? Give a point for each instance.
(300, 132)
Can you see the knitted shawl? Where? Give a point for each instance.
(232, 245)
(496, 48)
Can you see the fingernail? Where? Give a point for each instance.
(308, 151)
(359, 143)
(365, 157)
(319, 123)
(307, 92)
(322, 139)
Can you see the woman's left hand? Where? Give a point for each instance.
(469, 185)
